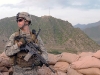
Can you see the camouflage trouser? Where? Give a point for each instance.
(24, 71)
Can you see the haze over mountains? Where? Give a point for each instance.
(92, 30)
(84, 26)
(57, 35)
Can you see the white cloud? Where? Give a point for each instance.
(9, 2)
(41, 7)
(75, 16)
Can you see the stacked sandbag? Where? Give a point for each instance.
(71, 71)
(46, 71)
(88, 63)
(85, 63)
(68, 57)
(61, 66)
(97, 54)
(5, 65)
(52, 59)
(60, 63)
(90, 71)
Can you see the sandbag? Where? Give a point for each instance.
(10, 71)
(4, 55)
(45, 71)
(61, 73)
(5, 73)
(97, 54)
(4, 60)
(84, 54)
(61, 66)
(1, 73)
(68, 57)
(87, 62)
(72, 72)
(90, 71)
(3, 69)
(52, 59)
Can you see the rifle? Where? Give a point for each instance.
(33, 50)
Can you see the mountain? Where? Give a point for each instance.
(57, 35)
(84, 26)
(92, 30)
(81, 26)
(93, 33)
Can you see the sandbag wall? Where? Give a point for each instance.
(5, 67)
(85, 63)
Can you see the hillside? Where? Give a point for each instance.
(57, 35)
(92, 30)
(94, 33)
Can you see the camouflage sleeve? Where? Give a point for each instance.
(11, 48)
(44, 51)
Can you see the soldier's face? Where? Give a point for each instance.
(20, 22)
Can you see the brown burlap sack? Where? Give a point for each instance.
(4, 60)
(5, 73)
(61, 66)
(45, 71)
(61, 73)
(10, 71)
(90, 71)
(1, 73)
(87, 62)
(3, 69)
(4, 55)
(97, 54)
(72, 72)
(52, 59)
(68, 57)
(83, 54)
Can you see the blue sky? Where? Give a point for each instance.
(74, 11)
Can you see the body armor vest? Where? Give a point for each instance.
(18, 59)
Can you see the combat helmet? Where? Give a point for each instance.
(24, 15)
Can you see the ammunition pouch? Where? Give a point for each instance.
(37, 62)
(19, 60)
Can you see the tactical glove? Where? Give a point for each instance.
(22, 40)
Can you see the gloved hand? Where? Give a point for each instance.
(22, 40)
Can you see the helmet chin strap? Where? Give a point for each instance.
(23, 26)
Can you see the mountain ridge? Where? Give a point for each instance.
(57, 35)
(89, 25)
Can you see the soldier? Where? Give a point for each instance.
(13, 48)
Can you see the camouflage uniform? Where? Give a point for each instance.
(12, 49)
